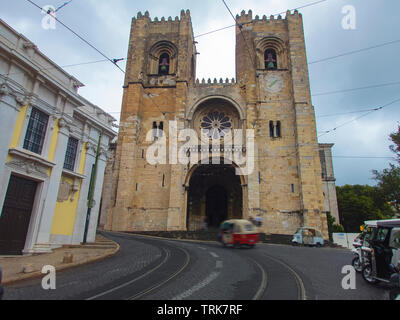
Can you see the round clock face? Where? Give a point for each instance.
(273, 83)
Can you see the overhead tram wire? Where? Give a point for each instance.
(362, 116)
(65, 66)
(77, 35)
(345, 113)
(354, 52)
(63, 5)
(357, 89)
(240, 26)
(277, 14)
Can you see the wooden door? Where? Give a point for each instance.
(16, 215)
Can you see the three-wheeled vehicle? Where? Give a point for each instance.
(308, 236)
(238, 232)
(383, 264)
(363, 240)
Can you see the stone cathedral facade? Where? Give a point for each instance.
(270, 95)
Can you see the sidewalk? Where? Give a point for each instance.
(18, 268)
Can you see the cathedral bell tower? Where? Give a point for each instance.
(160, 68)
(272, 72)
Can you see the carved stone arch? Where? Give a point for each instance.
(275, 44)
(239, 109)
(161, 48)
(216, 117)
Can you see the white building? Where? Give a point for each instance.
(49, 138)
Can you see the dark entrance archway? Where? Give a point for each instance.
(216, 206)
(215, 194)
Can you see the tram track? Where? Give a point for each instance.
(264, 282)
(301, 291)
(152, 279)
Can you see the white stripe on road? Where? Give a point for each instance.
(214, 254)
(198, 286)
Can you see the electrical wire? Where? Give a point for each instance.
(277, 14)
(63, 5)
(240, 26)
(354, 52)
(77, 35)
(55, 67)
(356, 89)
(345, 113)
(362, 116)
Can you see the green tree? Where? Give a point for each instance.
(389, 179)
(358, 203)
(332, 226)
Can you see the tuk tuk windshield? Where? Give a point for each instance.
(382, 234)
(298, 231)
(249, 227)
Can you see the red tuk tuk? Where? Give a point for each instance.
(238, 232)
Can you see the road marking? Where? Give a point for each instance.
(219, 264)
(214, 254)
(134, 280)
(264, 282)
(198, 286)
(202, 248)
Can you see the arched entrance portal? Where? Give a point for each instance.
(216, 205)
(215, 193)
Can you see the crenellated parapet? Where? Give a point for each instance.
(247, 18)
(184, 16)
(215, 82)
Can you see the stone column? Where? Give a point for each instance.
(43, 239)
(176, 211)
(80, 219)
(101, 166)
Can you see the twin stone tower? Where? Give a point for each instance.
(270, 97)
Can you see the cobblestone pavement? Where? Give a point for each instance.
(158, 269)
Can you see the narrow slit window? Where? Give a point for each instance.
(271, 129)
(160, 129)
(155, 129)
(278, 130)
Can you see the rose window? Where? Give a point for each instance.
(215, 125)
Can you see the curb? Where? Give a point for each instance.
(38, 274)
(161, 238)
(205, 241)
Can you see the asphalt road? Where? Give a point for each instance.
(157, 269)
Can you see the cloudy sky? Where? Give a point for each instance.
(360, 145)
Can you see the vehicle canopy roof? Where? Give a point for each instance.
(394, 223)
(309, 228)
(242, 225)
(388, 223)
